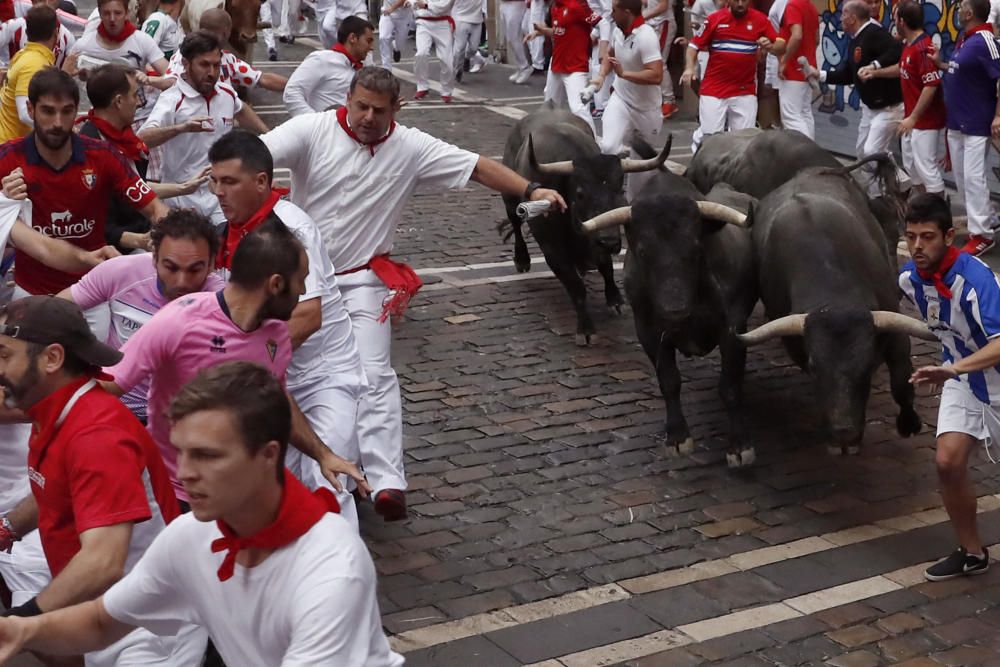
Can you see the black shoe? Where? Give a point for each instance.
(396, 56)
(959, 564)
(458, 76)
(539, 72)
(272, 55)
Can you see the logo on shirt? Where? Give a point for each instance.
(89, 178)
(272, 348)
(36, 477)
(136, 192)
(218, 344)
(62, 226)
(857, 54)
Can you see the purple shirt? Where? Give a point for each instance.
(128, 284)
(970, 86)
(185, 336)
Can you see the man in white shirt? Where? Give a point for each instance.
(468, 16)
(13, 36)
(329, 25)
(435, 30)
(393, 25)
(325, 377)
(162, 26)
(513, 14)
(636, 60)
(281, 549)
(659, 14)
(322, 80)
(342, 163)
(184, 108)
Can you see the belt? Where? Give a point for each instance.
(450, 20)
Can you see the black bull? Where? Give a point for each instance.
(557, 149)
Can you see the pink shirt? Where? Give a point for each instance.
(185, 336)
(128, 284)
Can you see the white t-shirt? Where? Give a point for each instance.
(310, 603)
(332, 349)
(468, 11)
(357, 198)
(165, 31)
(700, 11)
(660, 19)
(321, 80)
(14, 485)
(345, 8)
(638, 49)
(994, 12)
(14, 35)
(138, 50)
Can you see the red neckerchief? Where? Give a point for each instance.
(937, 276)
(125, 140)
(355, 63)
(300, 510)
(236, 233)
(122, 35)
(639, 20)
(342, 119)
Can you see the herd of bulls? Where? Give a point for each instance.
(758, 215)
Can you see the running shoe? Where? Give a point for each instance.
(959, 564)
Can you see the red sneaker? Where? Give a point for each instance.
(446, 99)
(420, 94)
(669, 109)
(391, 504)
(977, 245)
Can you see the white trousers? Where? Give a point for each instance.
(466, 43)
(718, 114)
(968, 164)
(795, 101)
(380, 413)
(920, 159)
(876, 131)
(392, 28)
(326, 27)
(667, 86)
(330, 403)
(565, 89)
(602, 96)
(539, 9)
(512, 17)
(25, 570)
(619, 122)
(435, 35)
(284, 17)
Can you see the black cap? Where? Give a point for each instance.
(48, 319)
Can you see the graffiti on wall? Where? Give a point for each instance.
(940, 22)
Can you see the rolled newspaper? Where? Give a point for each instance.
(587, 94)
(527, 210)
(804, 63)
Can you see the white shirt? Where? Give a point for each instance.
(345, 8)
(994, 12)
(332, 349)
(321, 80)
(434, 8)
(468, 11)
(233, 70)
(165, 31)
(138, 50)
(357, 198)
(633, 52)
(93, 20)
(187, 154)
(700, 11)
(14, 35)
(14, 485)
(309, 603)
(660, 19)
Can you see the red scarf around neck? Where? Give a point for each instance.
(342, 119)
(300, 510)
(236, 233)
(122, 35)
(951, 255)
(635, 24)
(355, 63)
(125, 140)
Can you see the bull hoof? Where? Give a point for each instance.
(522, 267)
(908, 423)
(835, 450)
(582, 339)
(748, 456)
(687, 447)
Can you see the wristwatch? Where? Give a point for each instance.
(6, 525)
(532, 186)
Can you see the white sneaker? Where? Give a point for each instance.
(513, 77)
(478, 63)
(523, 76)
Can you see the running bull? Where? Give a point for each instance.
(831, 296)
(558, 150)
(690, 282)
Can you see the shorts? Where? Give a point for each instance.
(961, 412)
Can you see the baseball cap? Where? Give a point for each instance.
(48, 319)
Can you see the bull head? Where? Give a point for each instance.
(710, 210)
(565, 167)
(794, 325)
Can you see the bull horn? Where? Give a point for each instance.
(612, 218)
(789, 325)
(722, 213)
(630, 166)
(548, 168)
(887, 321)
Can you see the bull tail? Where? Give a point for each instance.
(881, 158)
(885, 174)
(505, 228)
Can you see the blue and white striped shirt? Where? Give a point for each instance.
(965, 322)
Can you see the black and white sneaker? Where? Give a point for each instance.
(959, 564)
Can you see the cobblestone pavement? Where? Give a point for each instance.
(550, 526)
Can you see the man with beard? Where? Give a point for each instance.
(244, 321)
(190, 116)
(354, 171)
(100, 492)
(135, 287)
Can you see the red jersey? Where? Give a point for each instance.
(732, 43)
(70, 203)
(916, 72)
(572, 21)
(98, 468)
(803, 13)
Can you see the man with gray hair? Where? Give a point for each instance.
(342, 162)
(871, 48)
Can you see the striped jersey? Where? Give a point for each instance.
(970, 82)
(965, 322)
(732, 43)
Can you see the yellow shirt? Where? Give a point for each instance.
(25, 63)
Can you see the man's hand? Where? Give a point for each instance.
(935, 54)
(809, 71)
(332, 465)
(995, 127)
(764, 43)
(108, 252)
(14, 186)
(192, 185)
(905, 125)
(551, 196)
(933, 375)
(13, 635)
(136, 241)
(7, 538)
(866, 73)
(198, 124)
(530, 36)
(616, 66)
(689, 75)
